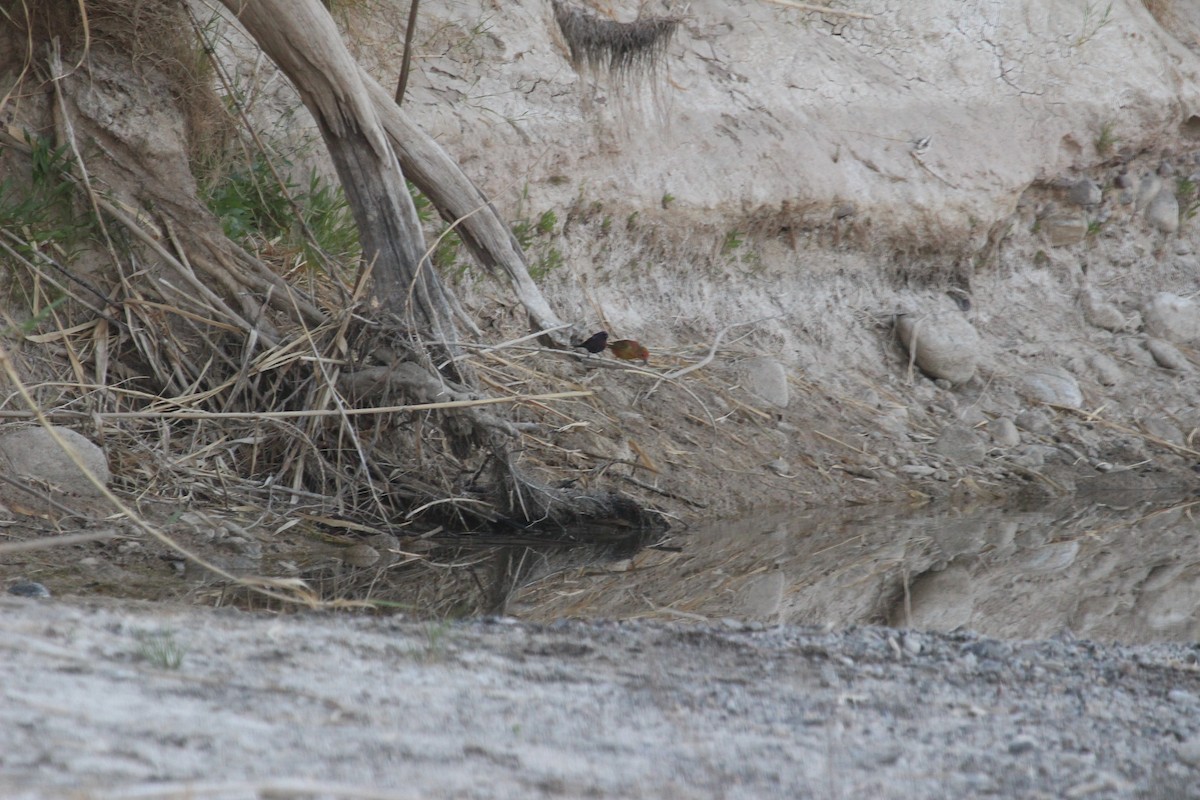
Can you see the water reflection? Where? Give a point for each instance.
(1129, 573)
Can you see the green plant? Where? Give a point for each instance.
(733, 240)
(1105, 140)
(667, 199)
(256, 206)
(546, 263)
(160, 649)
(41, 210)
(546, 222)
(1188, 194)
(1094, 21)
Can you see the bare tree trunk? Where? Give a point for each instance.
(302, 39)
(454, 194)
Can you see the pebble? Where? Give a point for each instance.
(1148, 188)
(960, 445)
(1085, 192)
(1163, 212)
(1022, 744)
(1034, 421)
(1167, 355)
(1181, 697)
(1004, 432)
(1106, 370)
(1189, 751)
(28, 589)
(1100, 313)
(1053, 385)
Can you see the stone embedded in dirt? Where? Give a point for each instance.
(1162, 428)
(1085, 192)
(1004, 432)
(766, 380)
(1034, 421)
(943, 344)
(1167, 355)
(1171, 317)
(1064, 229)
(1163, 211)
(34, 453)
(1106, 370)
(960, 445)
(1148, 188)
(1100, 313)
(28, 589)
(1053, 385)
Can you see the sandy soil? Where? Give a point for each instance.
(135, 701)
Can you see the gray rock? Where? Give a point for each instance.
(1189, 751)
(1052, 385)
(1085, 192)
(1164, 429)
(1031, 457)
(1034, 421)
(1148, 188)
(28, 589)
(1004, 432)
(1022, 744)
(1101, 313)
(960, 445)
(766, 379)
(1163, 211)
(1167, 355)
(943, 344)
(1106, 370)
(34, 453)
(1171, 317)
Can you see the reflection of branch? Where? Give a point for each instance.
(822, 9)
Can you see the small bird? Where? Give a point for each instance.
(594, 343)
(629, 350)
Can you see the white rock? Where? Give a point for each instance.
(1004, 432)
(34, 453)
(766, 379)
(943, 344)
(1167, 355)
(1171, 317)
(1163, 211)
(1106, 370)
(1101, 313)
(1053, 385)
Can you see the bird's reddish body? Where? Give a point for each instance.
(629, 350)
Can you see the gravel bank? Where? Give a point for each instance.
(130, 700)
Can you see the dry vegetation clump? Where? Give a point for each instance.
(610, 47)
(177, 296)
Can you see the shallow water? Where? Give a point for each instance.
(1121, 572)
